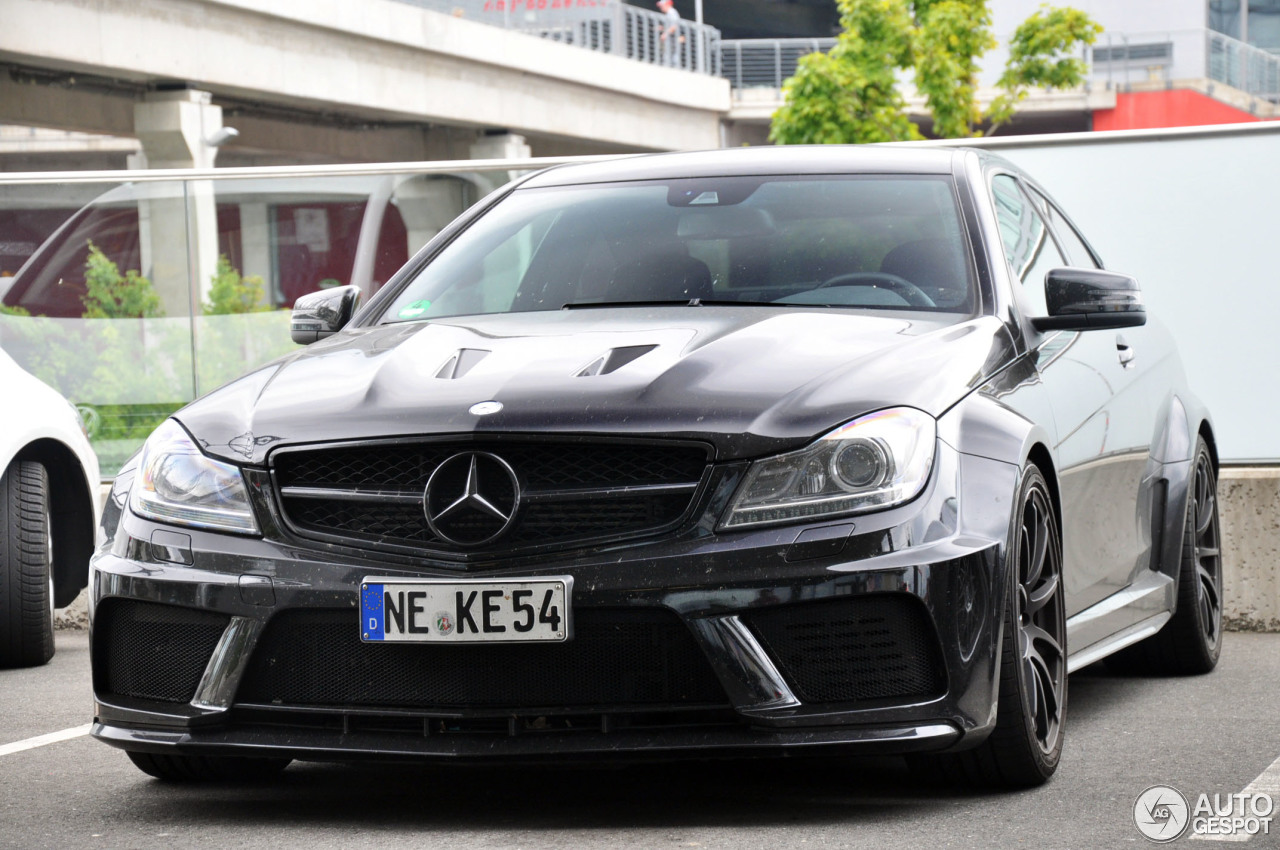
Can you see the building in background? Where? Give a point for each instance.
(1158, 63)
(1177, 63)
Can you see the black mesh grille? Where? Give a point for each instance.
(155, 652)
(877, 647)
(608, 470)
(617, 658)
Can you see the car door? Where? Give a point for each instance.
(1105, 418)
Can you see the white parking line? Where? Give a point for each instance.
(41, 740)
(1268, 782)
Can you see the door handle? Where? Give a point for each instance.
(1125, 353)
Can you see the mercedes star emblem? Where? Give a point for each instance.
(471, 499)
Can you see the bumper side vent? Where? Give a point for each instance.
(151, 651)
(876, 648)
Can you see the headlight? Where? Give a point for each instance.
(880, 460)
(177, 483)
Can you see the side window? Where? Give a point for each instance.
(1028, 246)
(1077, 252)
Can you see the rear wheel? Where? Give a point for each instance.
(180, 768)
(1191, 642)
(1024, 748)
(26, 567)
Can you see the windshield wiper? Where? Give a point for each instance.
(692, 302)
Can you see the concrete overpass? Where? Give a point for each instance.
(335, 81)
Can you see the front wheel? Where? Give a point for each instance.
(26, 567)
(1024, 748)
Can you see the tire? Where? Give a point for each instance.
(179, 768)
(1025, 747)
(1191, 642)
(26, 564)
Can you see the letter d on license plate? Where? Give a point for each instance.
(443, 611)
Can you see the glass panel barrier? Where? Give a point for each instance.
(100, 308)
(133, 297)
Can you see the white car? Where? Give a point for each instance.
(48, 512)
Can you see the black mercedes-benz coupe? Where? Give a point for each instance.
(742, 452)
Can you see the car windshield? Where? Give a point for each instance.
(873, 242)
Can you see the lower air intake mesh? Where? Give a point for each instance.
(621, 657)
(856, 649)
(151, 651)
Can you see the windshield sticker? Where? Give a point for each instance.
(414, 309)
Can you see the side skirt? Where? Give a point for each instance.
(1121, 619)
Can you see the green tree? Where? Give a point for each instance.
(231, 293)
(111, 295)
(229, 341)
(850, 95)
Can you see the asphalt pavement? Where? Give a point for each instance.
(1215, 734)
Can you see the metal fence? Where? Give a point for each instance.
(1122, 59)
(607, 26)
(1243, 66)
(766, 62)
(1116, 60)
(613, 26)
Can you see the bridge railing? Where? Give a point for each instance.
(609, 26)
(766, 62)
(1117, 60)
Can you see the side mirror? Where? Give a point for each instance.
(1089, 299)
(317, 315)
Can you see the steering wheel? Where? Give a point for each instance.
(912, 294)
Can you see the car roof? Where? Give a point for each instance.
(753, 161)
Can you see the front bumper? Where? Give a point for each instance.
(937, 561)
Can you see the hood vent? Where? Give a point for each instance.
(613, 360)
(461, 363)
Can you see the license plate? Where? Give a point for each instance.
(442, 611)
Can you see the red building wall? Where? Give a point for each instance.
(1168, 108)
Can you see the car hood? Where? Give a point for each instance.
(750, 380)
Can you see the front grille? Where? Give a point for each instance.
(371, 494)
(154, 652)
(618, 658)
(880, 647)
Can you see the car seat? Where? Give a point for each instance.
(935, 265)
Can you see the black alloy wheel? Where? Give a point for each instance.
(1024, 748)
(1191, 642)
(26, 566)
(1205, 550)
(1042, 623)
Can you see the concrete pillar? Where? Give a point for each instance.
(427, 204)
(175, 128)
(255, 244)
(499, 146)
(178, 224)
